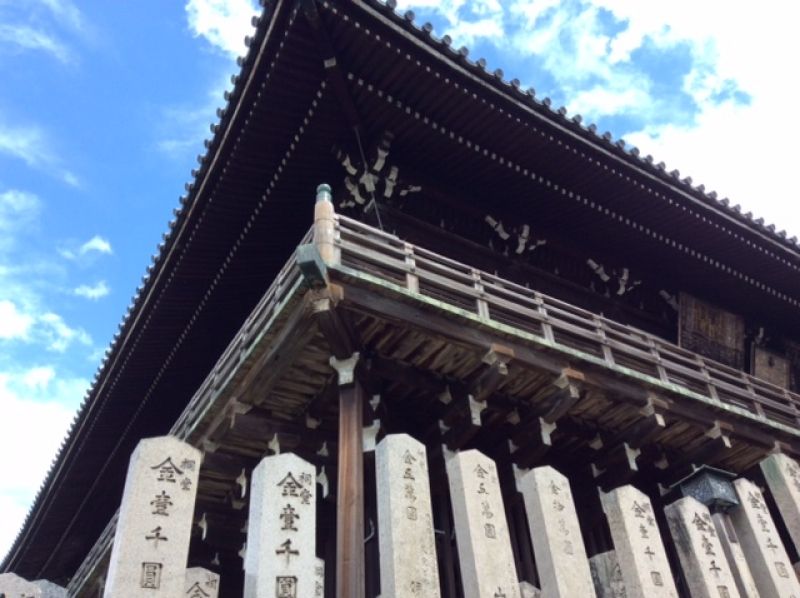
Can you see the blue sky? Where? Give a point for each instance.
(104, 106)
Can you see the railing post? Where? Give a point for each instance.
(325, 226)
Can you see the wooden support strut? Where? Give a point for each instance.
(350, 484)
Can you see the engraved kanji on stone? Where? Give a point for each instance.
(408, 491)
(481, 472)
(482, 489)
(408, 458)
(708, 547)
(703, 524)
(167, 470)
(641, 511)
(657, 579)
(411, 513)
(186, 484)
(486, 510)
(188, 464)
(490, 531)
(151, 576)
(407, 475)
(714, 568)
(160, 504)
(155, 536)
(756, 502)
(286, 586)
(289, 515)
(287, 550)
(305, 496)
(781, 568)
(195, 591)
(290, 486)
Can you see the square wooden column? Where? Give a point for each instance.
(350, 483)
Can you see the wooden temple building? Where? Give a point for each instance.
(483, 272)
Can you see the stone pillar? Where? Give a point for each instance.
(782, 474)
(49, 589)
(151, 542)
(319, 579)
(281, 529)
(201, 583)
(13, 586)
(607, 576)
(734, 555)
(557, 543)
(637, 542)
(705, 568)
(484, 544)
(761, 545)
(405, 519)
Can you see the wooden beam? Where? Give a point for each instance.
(350, 483)
(384, 306)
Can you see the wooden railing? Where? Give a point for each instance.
(285, 284)
(557, 323)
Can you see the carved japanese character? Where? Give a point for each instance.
(714, 568)
(151, 576)
(167, 471)
(286, 586)
(481, 472)
(196, 591)
(291, 487)
(641, 511)
(156, 537)
(160, 504)
(287, 550)
(289, 516)
(490, 530)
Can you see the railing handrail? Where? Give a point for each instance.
(612, 340)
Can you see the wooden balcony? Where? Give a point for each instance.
(463, 358)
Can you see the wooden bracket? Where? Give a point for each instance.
(533, 440)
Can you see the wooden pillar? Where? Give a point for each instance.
(350, 493)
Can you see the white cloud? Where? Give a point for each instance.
(38, 406)
(18, 212)
(14, 324)
(30, 144)
(93, 292)
(57, 335)
(223, 23)
(95, 245)
(731, 85)
(66, 13)
(24, 37)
